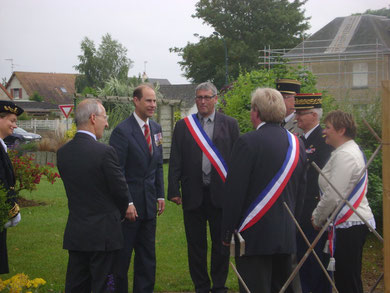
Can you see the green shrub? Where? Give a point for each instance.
(236, 101)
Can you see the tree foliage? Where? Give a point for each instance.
(36, 97)
(99, 65)
(246, 26)
(237, 100)
(379, 12)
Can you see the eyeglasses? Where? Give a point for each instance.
(302, 113)
(206, 98)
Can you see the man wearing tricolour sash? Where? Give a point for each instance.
(200, 155)
(267, 168)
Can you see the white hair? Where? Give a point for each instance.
(319, 112)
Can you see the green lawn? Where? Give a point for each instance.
(35, 245)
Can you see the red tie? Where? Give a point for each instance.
(147, 137)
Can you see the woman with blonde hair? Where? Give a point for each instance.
(348, 232)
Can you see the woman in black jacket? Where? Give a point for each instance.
(8, 117)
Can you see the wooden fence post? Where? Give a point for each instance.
(386, 179)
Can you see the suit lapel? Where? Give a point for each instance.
(139, 136)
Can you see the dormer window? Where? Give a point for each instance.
(16, 93)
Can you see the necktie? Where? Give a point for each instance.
(206, 165)
(147, 137)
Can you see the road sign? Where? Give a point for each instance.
(66, 109)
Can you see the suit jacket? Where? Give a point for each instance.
(7, 181)
(319, 152)
(185, 164)
(257, 156)
(7, 176)
(97, 194)
(143, 171)
(292, 126)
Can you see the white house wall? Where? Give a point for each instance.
(15, 84)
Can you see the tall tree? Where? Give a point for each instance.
(99, 65)
(245, 26)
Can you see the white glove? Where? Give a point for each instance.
(13, 222)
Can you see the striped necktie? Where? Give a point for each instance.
(147, 137)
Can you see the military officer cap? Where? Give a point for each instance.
(288, 86)
(10, 107)
(308, 101)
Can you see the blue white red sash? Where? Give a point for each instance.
(275, 187)
(355, 198)
(206, 145)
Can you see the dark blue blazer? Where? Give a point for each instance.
(256, 158)
(143, 171)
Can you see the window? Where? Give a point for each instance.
(360, 75)
(63, 90)
(16, 93)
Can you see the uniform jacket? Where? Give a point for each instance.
(143, 171)
(97, 194)
(185, 166)
(257, 156)
(319, 152)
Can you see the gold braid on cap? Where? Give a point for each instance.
(12, 110)
(307, 101)
(14, 211)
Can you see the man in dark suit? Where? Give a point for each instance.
(308, 113)
(202, 187)
(267, 169)
(138, 142)
(8, 117)
(97, 199)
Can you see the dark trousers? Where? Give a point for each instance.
(3, 253)
(348, 255)
(312, 277)
(90, 271)
(264, 273)
(195, 222)
(140, 237)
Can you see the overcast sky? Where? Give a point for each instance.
(45, 35)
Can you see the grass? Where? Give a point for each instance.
(35, 245)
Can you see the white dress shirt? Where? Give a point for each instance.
(343, 169)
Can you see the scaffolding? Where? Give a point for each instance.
(333, 61)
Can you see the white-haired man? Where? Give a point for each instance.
(308, 115)
(267, 169)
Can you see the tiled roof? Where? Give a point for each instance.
(160, 81)
(56, 88)
(27, 105)
(183, 92)
(2, 88)
(345, 35)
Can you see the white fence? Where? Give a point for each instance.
(47, 124)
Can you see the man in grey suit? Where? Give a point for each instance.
(289, 88)
(97, 199)
(202, 184)
(138, 142)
